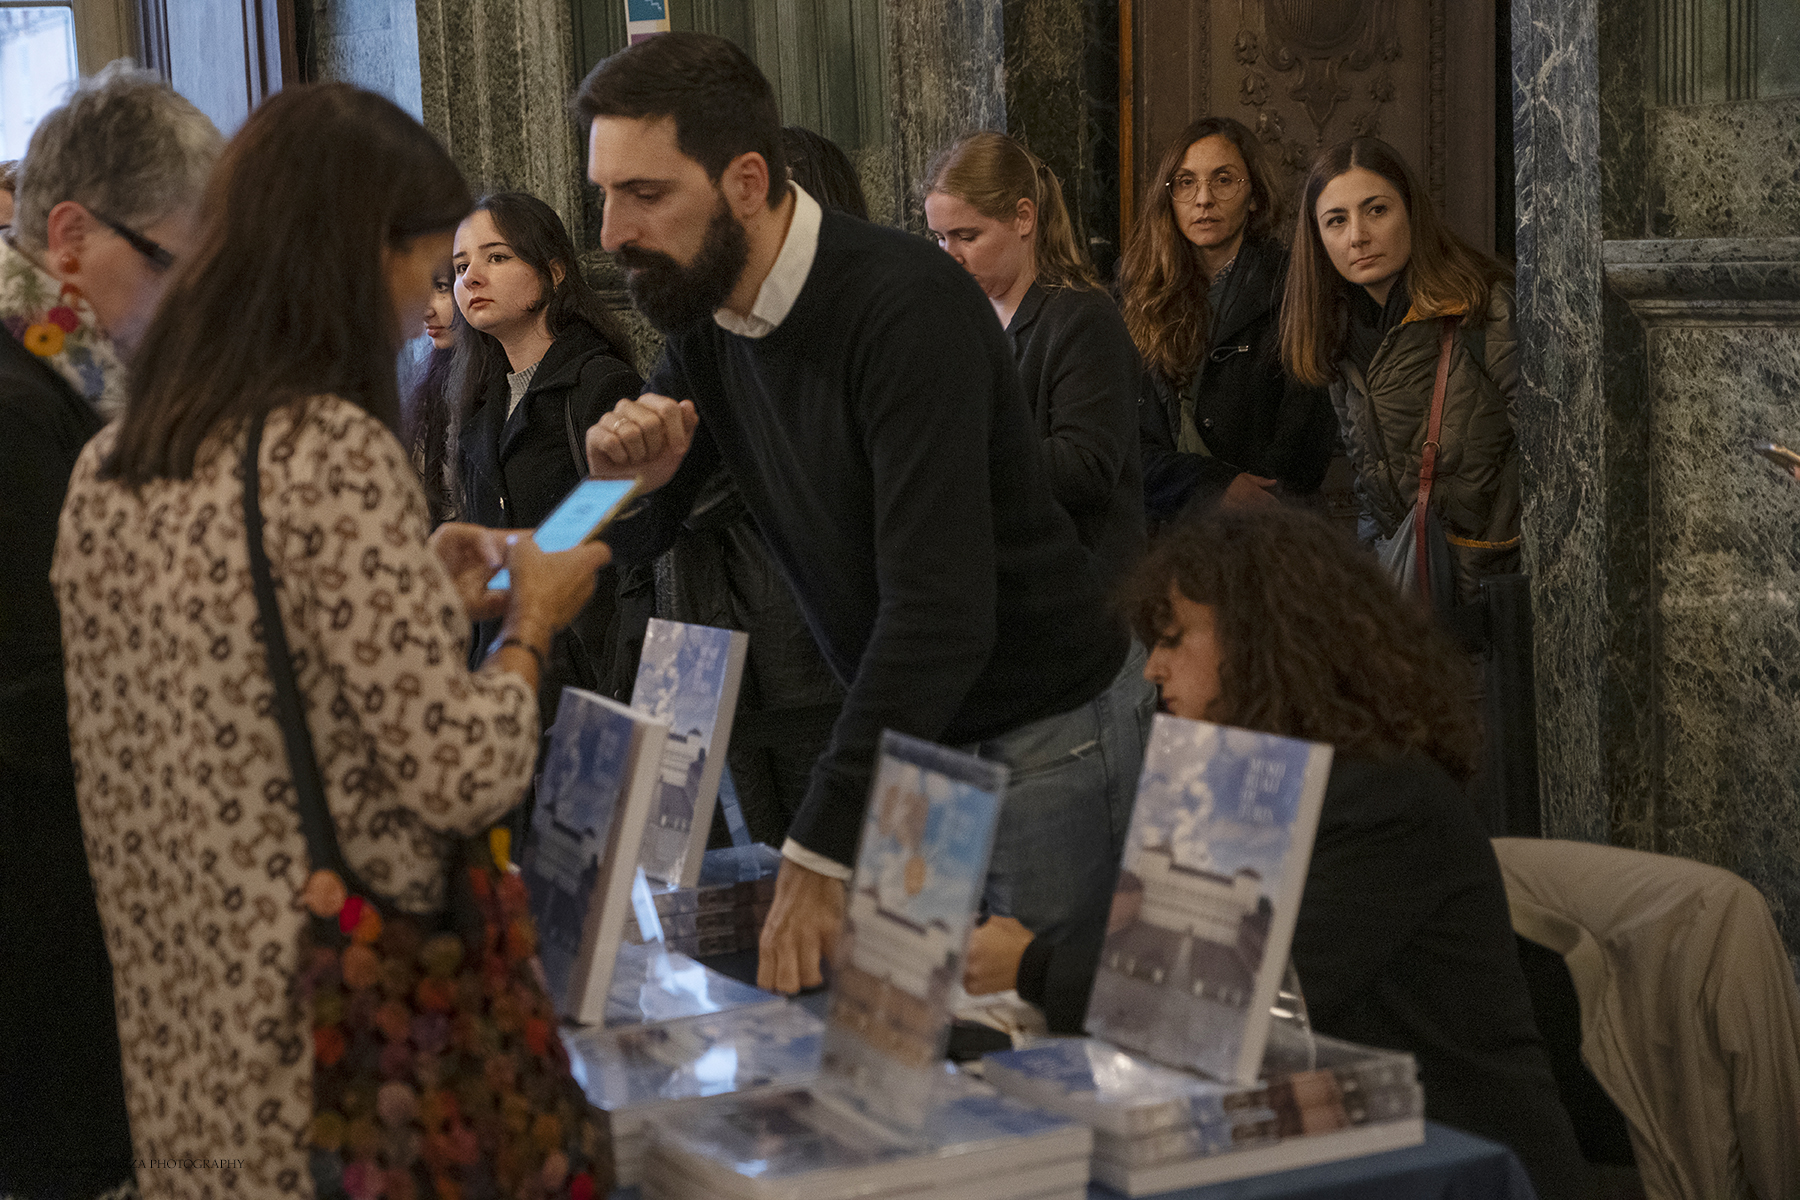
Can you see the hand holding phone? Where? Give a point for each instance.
(583, 513)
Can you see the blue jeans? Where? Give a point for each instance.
(1068, 804)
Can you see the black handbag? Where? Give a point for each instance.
(437, 1070)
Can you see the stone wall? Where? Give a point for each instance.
(1660, 316)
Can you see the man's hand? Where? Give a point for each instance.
(645, 437)
(472, 553)
(995, 948)
(1250, 491)
(802, 928)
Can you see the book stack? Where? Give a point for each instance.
(723, 913)
(1156, 1129)
(797, 1145)
(1184, 1081)
(670, 1067)
(885, 1117)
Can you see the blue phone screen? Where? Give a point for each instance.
(592, 501)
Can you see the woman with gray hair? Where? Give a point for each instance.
(103, 207)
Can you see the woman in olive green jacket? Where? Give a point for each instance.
(1375, 280)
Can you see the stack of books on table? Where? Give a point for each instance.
(885, 1115)
(1185, 1080)
(796, 1145)
(1156, 1128)
(669, 1068)
(724, 912)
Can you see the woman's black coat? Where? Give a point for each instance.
(61, 1088)
(1252, 415)
(514, 470)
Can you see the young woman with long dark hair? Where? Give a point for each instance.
(998, 210)
(428, 413)
(1271, 619)
(321, 227)
(542, 358)
(1201, 282)
(1376, 274)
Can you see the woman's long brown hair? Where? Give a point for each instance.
(1444, 273)
(1314, 641)
(1160, 278)
(284, 296)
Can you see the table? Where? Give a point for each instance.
(1451, 1165)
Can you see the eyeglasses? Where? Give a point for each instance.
(1223, 187)
(156, 253)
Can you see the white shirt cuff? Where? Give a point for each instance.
(812, 860)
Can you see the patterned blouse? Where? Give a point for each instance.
(187, 808)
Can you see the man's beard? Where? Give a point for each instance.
(673, 297)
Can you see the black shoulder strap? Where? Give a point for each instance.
(309, 785)
(575, 450)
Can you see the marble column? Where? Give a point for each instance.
(1721, 320)
(947, 76)
(371, 43)
(1561, 408)
(495, 76)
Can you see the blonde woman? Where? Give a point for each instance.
(998, 211)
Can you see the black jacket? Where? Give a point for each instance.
(1079, 372)
(515, 469)
(1403, 940)
(65, 1127)
(1252, 415)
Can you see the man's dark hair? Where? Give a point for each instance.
(722, 104)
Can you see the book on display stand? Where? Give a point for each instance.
(688, 677)
(1189, 1078)
(886, 1115)
(1215, 860)
(593, 799)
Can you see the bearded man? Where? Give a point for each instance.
(854, 381)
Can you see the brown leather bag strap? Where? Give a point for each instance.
(1428, 455)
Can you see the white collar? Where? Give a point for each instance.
(782, 287)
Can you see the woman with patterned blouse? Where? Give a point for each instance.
(323, 224)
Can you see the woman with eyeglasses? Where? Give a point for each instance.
(105, 203)
(998, 211)
(1378, 281)
(1201, 283)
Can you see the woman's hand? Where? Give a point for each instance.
(1250, 491)
(471, 554)
(995, 948)
(548, 589)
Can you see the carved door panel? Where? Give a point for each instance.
(1307, 73)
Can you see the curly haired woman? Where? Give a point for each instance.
(1270, 619)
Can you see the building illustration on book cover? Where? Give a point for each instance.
(586, 772)
(1220, 839)
(688, 675)
(919, 873)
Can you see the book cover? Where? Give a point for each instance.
(919, 874)
(1214, 864)
(599, 780)
(688, 677)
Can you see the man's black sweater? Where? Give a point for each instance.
(880, 440)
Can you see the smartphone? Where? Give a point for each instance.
(1781, 456)
(582, 513)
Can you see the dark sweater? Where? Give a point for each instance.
(61, 1091)
(879, 440)
(1403, 940)
(1080, 375)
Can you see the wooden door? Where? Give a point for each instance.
(1307, 73)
